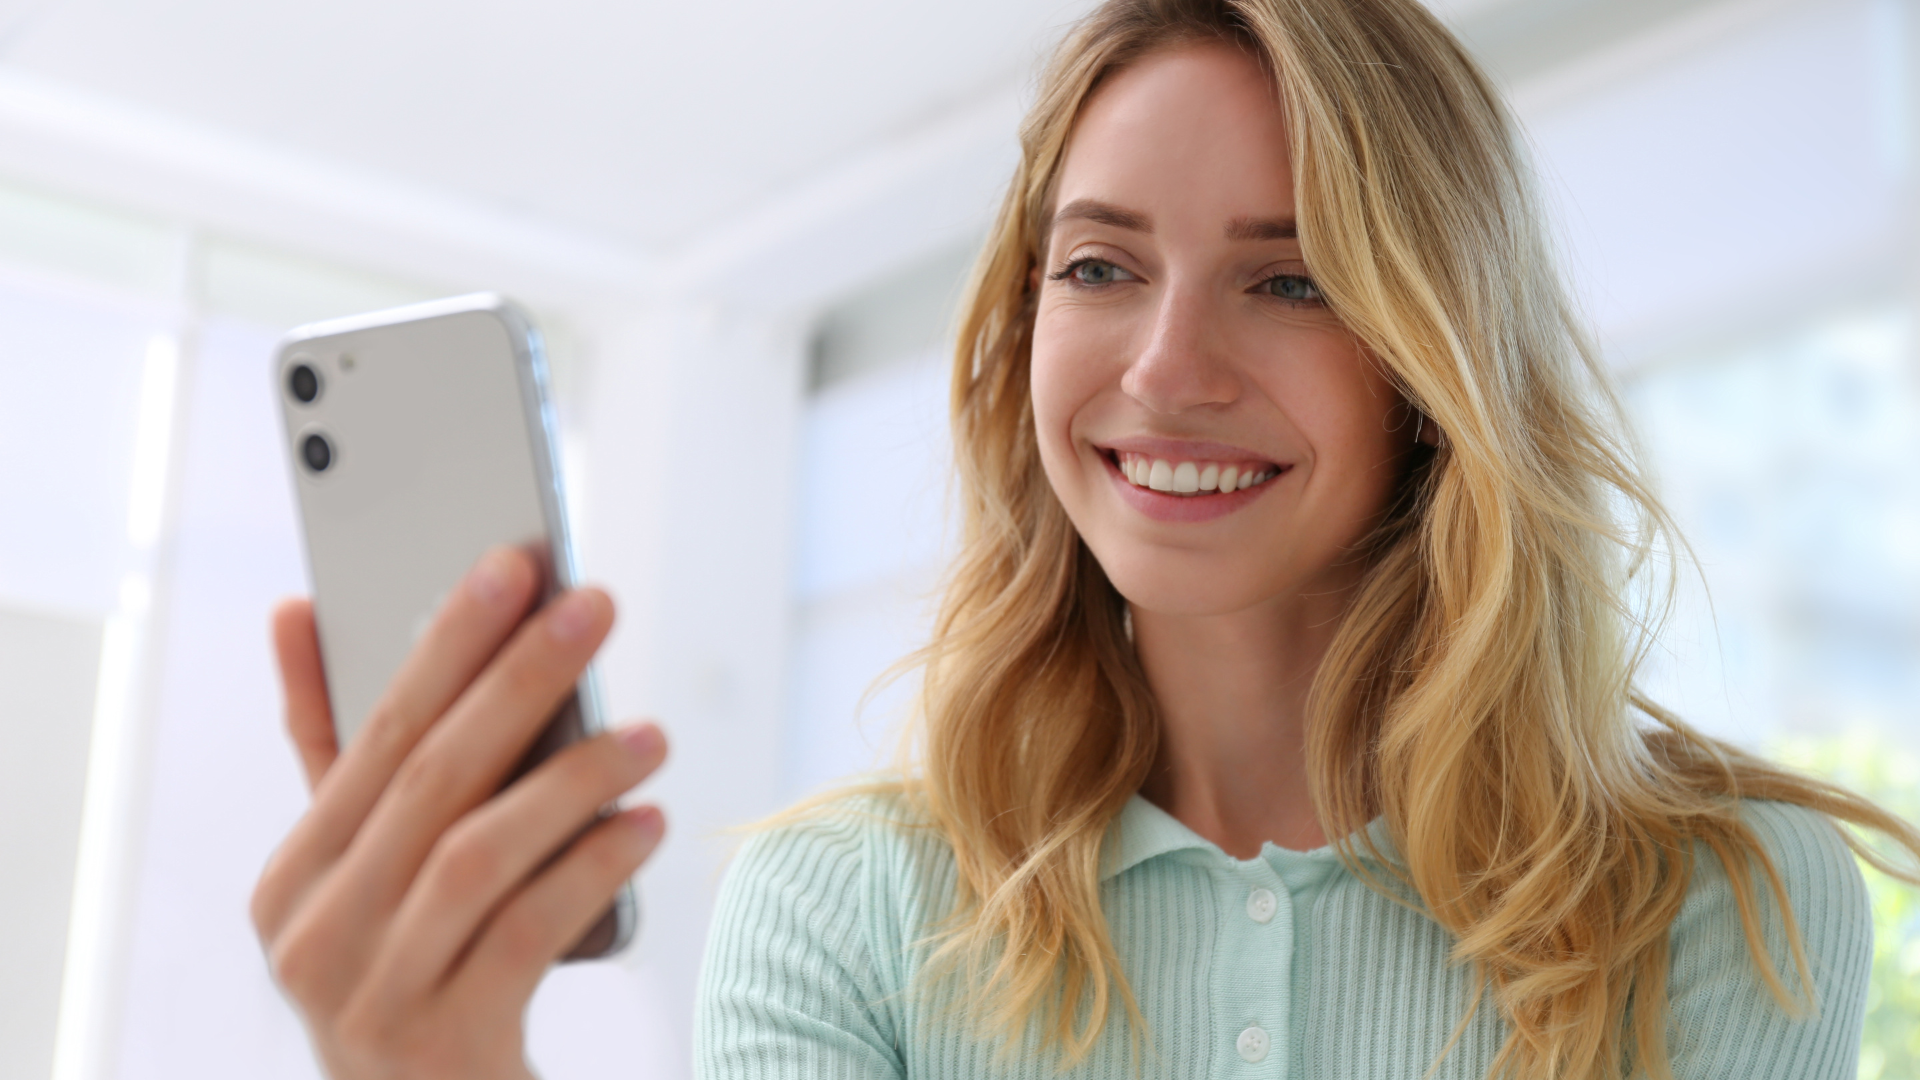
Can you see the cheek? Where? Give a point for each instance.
(1061, 382)
(1356, 427)
(1345, 410)
(1047, 387)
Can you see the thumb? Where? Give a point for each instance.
(309, 715)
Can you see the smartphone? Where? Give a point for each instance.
(419, 438)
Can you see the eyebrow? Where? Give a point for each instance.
(1119, 217)
(1104, 214)
(1262, 229)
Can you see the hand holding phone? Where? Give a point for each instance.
(415, 907)
(460, 839)
(417, 439)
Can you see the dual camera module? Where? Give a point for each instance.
(303, 383)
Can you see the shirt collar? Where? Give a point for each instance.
(1143, 831)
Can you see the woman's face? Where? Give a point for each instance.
(1217, 436)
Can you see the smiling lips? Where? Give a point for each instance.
(1192, 478)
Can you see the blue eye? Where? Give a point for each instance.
(1095, 273)
(1092, 273)
(1292, 287)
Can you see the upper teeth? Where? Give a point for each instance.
(1189, 477)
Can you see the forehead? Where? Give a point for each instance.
(1188, 132)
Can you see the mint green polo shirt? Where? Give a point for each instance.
(1286, 965)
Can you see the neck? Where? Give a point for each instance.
(1232, 691)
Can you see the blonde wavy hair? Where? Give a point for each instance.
(1479, 695)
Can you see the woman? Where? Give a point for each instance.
(1279, 719)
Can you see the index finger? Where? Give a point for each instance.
(459, 642)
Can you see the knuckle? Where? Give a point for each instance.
(382, 728)
(394, 724)
(520, 935)
(299, 959)
(387, 735)
(263, 907)
(367, 1031)
(467, 861)
(429, 776)
(535, 671)
(267, 904)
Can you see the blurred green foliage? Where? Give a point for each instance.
(1867, 762)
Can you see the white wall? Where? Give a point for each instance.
(1750, 156)
(1736, 196)
(220, 788)
(49, 665)
(87, 368)
(687, 519)
(873, 534)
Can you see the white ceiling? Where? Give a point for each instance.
(640, 122)
(576, 147)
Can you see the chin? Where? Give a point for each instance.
(1184, 585)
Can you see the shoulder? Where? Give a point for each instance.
(805, 959)
(1817, 869)
(869, 862)
(852, 835)
(832, 835)
(1806, 845)
(1727, 1018)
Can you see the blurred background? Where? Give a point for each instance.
(743, 227)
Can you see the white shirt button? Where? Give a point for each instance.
(1253, 1044)
(1261, 905)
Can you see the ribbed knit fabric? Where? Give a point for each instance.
(1285, 965)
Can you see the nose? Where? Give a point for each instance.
(1184, 364)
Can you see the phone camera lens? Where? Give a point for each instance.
(317, 452)
(304, 383)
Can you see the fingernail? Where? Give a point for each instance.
(643, 741)
(573, 616)
(492, 579)
(650, 822)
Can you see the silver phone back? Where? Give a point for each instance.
(436, 419)
(441, 447)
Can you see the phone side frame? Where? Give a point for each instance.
(543, 434)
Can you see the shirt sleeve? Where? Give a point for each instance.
(790, 987)
(1726, 1021)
